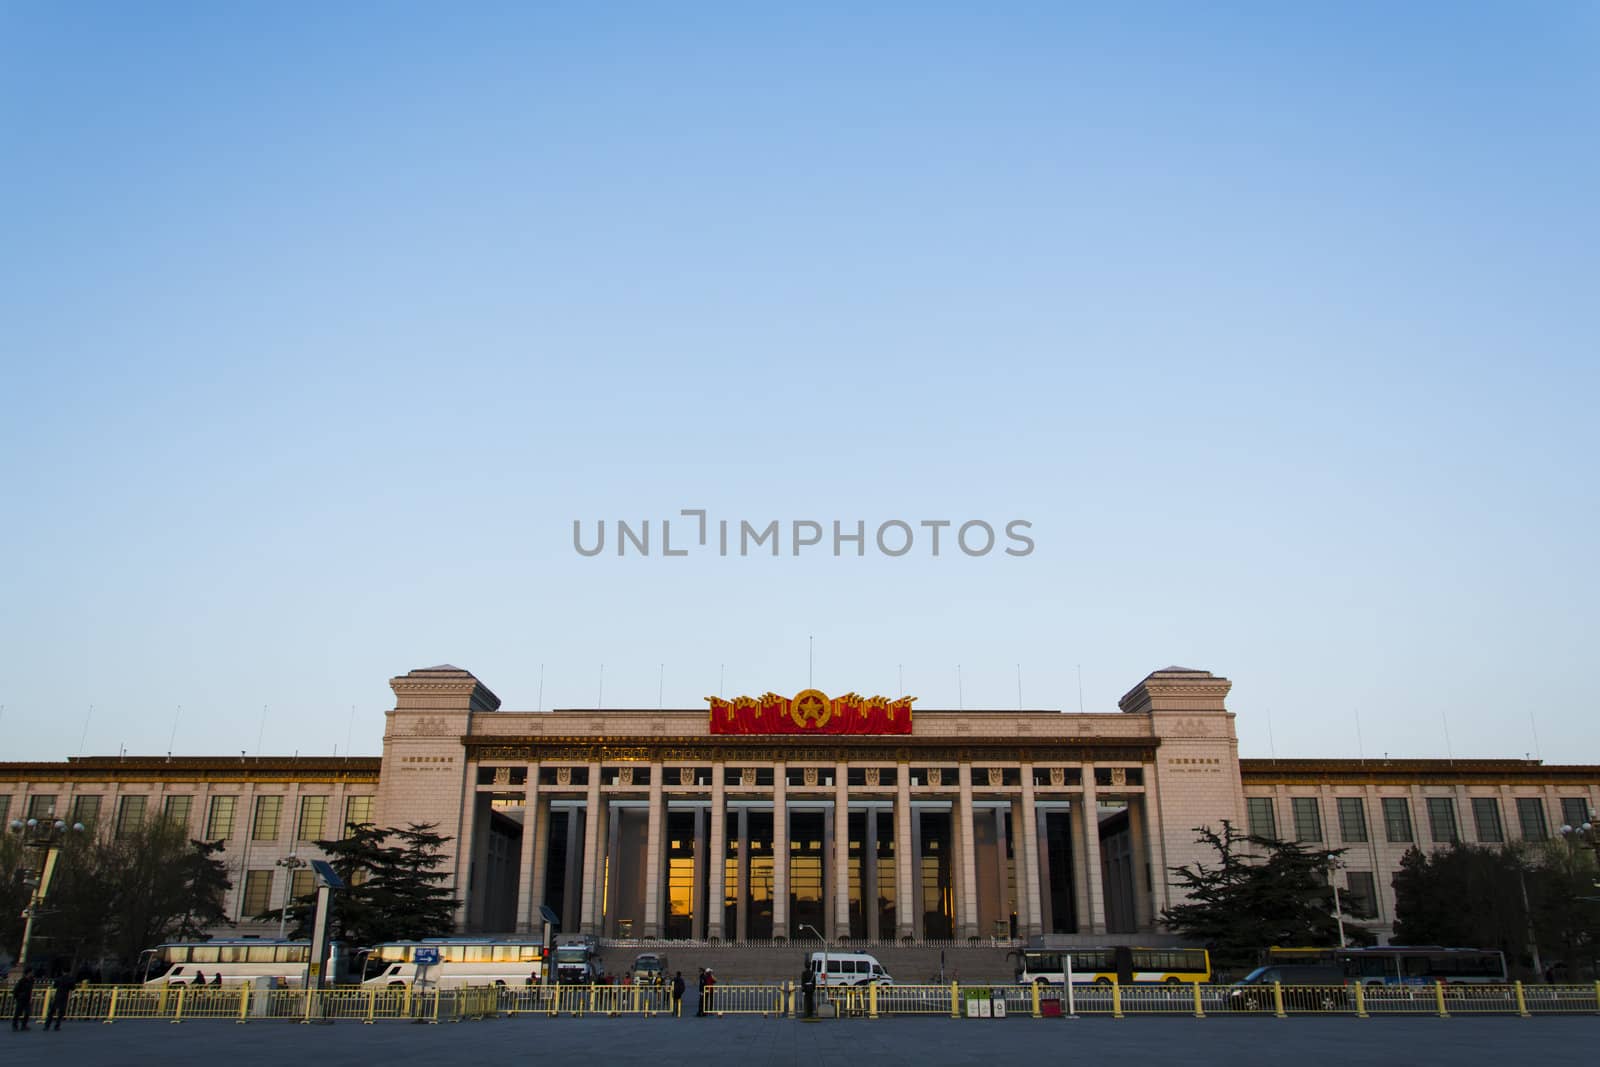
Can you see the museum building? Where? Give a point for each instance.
(860, 818)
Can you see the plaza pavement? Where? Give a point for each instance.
(757, 1042)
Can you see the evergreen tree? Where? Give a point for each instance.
(1471, 896)
(1259, 893)
(113, 897)
(395, 886)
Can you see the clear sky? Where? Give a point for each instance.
(320, 324)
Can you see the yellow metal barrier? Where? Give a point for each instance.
(369, 1005)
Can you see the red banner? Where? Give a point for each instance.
(811, 712)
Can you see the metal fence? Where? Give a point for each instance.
(244, 1004)
(180, 1003)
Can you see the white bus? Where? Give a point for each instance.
(239, 961)
(463, 961)
(1120, 963)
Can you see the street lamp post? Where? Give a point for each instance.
(1338, 911)
(290, 864)
(1586, 833)
(44, 836)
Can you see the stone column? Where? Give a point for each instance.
(541, 861)
(1139, 849)
(1160, 887)
(780, 851)
(967, 892)
(717, 867)
(841, 851)
(466, 843)
(906, 905)
(1092, 913)
(652, 860)
(593, 869)
(532, 835)
(1027, 850)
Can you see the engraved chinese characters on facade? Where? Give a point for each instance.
(430, 726)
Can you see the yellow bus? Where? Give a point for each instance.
(1119, 962)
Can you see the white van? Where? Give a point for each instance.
(847, 968)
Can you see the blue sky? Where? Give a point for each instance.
(318, 329)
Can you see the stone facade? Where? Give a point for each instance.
(977, 824)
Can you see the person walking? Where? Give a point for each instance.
(62, 994)
(677, 994)
(22, 994)
(701, 981)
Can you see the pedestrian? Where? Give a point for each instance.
(216, 979)
(63, 987)
(22, 994)
(677, 994)
(808, 986)
(701, 1006)
(707, 997)
(199, 978)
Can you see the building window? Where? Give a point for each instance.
(178, 809)
(1442, 820)
(304, 884)
(1397, 820)
(1262, 823)
(1530, 815)
(265, 826)
(42, 806)
(86, 810)
(1486, 818)
(257, 894)
(313, 813)
(1361, 894)
(357, 811)
(1307, 819)
(1574, 811)
(5, 807)
(219, 823)
(130, 815)
(1352, 820)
